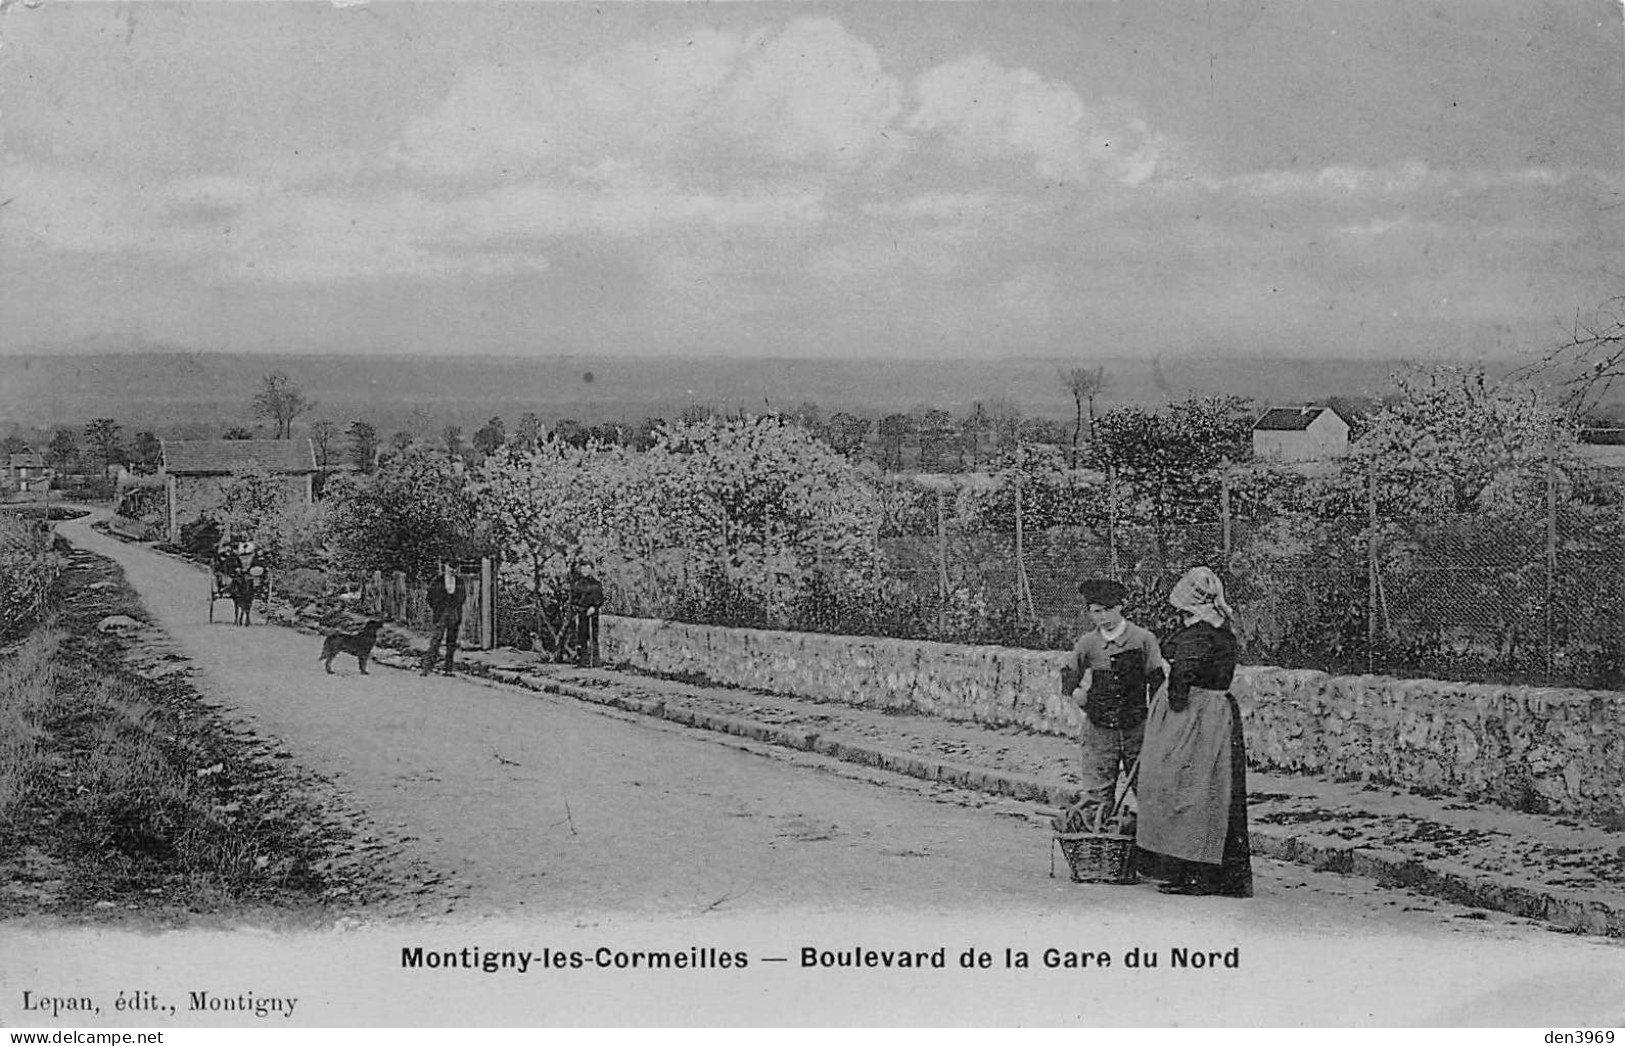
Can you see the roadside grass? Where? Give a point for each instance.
(97, 775)
(118, 790)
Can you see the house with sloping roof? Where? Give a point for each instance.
(1307, 433)
(195, 471)
(26, 471)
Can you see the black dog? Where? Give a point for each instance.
(357, 643)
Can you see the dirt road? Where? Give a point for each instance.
(524, 801)
(529, 809)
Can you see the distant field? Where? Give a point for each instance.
(203, 393)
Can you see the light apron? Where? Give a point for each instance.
(1185, 777)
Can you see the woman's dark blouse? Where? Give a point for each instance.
(1199, 655)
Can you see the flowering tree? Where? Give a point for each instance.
(1453, 441)
(767, 505)
(718, 517)
(537, 506)
(1456, 471)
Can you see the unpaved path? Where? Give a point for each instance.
(518, 801)
(495, 803)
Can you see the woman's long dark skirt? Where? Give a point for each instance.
(1234, 877)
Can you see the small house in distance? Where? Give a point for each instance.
(195, 470)
(1300, 434)
(27, 473)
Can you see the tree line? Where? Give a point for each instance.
(925, 438)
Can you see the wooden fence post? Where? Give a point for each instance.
(1551, 548)
(488, 603)
(942, 566)
(1024, 590)
(1111, 523)
(1371, 568)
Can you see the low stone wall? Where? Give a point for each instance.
(1553, 750)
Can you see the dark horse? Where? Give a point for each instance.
(241, 590)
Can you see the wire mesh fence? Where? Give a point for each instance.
(1531, 596)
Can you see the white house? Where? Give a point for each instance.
(1300, 434)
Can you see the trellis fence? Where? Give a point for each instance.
(399, 597)
(1536, 597)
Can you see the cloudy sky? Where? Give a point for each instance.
(773, 179)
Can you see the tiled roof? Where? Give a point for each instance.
(1287, 419)
(27, 459)
(218, 457)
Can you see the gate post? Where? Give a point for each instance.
(488, 602)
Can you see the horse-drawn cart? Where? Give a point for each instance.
(236, 577)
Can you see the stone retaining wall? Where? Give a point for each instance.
(1552, 750)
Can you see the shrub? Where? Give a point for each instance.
(200, 537)
(28, 569)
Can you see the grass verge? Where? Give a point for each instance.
(119, 791)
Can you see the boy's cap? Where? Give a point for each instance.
(1104, 592)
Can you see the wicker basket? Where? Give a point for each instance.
(1098, 857)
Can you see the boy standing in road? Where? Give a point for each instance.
(1118, 666)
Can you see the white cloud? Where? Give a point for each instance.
(1375, 227)
(302, 239)
(815, 94)
(1397, 179)
(239, 229)
(628, 208)
(988, 112)
(950, 206)
(811, 94)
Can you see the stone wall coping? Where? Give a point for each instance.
(1247, 674)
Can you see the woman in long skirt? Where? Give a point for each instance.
(1193, 767)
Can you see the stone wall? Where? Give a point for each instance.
(1555, 750)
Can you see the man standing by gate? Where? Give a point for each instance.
(586, 600)
(446, 596)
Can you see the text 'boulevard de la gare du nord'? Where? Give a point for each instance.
(810, 957)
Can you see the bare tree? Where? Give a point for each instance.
(1590, 359)
(490, 437)
(363, 444)
(893, 429)
(63, 451)
(972, 428)
(845, 432)
(530, 431)
(280, 401)
(1085, 383)
(1004, 422)
(322, 434)
(102, 433)
(937, 430)
(146, 452)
